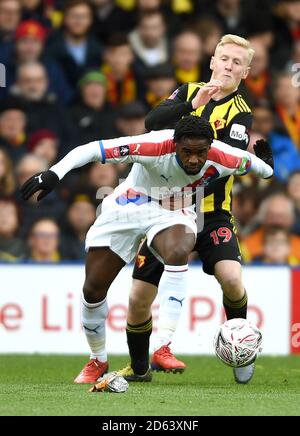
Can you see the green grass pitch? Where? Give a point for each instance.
(42, 385)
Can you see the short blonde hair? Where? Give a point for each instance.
(237, 40)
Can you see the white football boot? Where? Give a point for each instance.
(244, 375)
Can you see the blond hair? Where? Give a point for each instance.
(237, 40)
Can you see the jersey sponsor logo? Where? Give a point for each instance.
(124, 150)
(140, 261)
(219, 124)
(238, 132)
(172, 97)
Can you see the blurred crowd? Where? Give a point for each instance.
(78, 70)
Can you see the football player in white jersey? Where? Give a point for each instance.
(168, 165)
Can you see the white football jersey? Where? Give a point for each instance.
(156, 173)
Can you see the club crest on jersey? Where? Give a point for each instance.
(219, 124)
(140, 261)
(124, 150)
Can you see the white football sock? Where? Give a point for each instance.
(93, 321)
(172, 291)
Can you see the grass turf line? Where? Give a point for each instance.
(43, 385)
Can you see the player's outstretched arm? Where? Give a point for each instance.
(46, 181)
(144, 149)
(262, 163)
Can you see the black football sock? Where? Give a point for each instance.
(236, 309)
(138, 338)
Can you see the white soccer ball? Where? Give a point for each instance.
(238, 342)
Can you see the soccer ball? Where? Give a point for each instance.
(238, 342)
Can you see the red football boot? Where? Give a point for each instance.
(93, 370)
(164, 360)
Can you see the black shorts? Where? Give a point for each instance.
(217, 241)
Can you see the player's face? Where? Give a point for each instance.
(230, 66)
(192, 153)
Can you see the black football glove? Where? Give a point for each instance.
(44, 181)
(263, 150)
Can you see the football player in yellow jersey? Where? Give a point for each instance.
(219, 102)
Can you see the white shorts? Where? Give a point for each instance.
(121, 228)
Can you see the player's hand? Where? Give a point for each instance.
(205, 93)
(44, 181)
(263, 150)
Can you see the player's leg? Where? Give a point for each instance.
(102, 267)
(146, 276)
(138, 331)
(219, 250)
(229, 275)
(174, 246)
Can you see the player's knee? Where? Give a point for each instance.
(93, 293)
(233, 287)
(176, 255)
(138, 306)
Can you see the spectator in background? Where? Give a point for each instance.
(149, 41)
(91, 113)
(10, 15)
(176, 13)
(286, 155)
(29, 47)
(277, 210)
(245, 203)
(35, 10)
(42, 109)
(44, 143)
(160, 84)
(287, 107)
(256, 86)
(229, 15)
(80, 216)
(187, 55)
(293, 189)
(43, 242)
(277, 248)
(12, 129)
(31, 211)
(11, 246)
(7, 180)
(122, 86)
(109, 17)
(210, 33)
(101, 176)
(287, 28)
(75, 48)
(131, 119)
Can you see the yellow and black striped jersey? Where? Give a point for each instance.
(230, 119)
